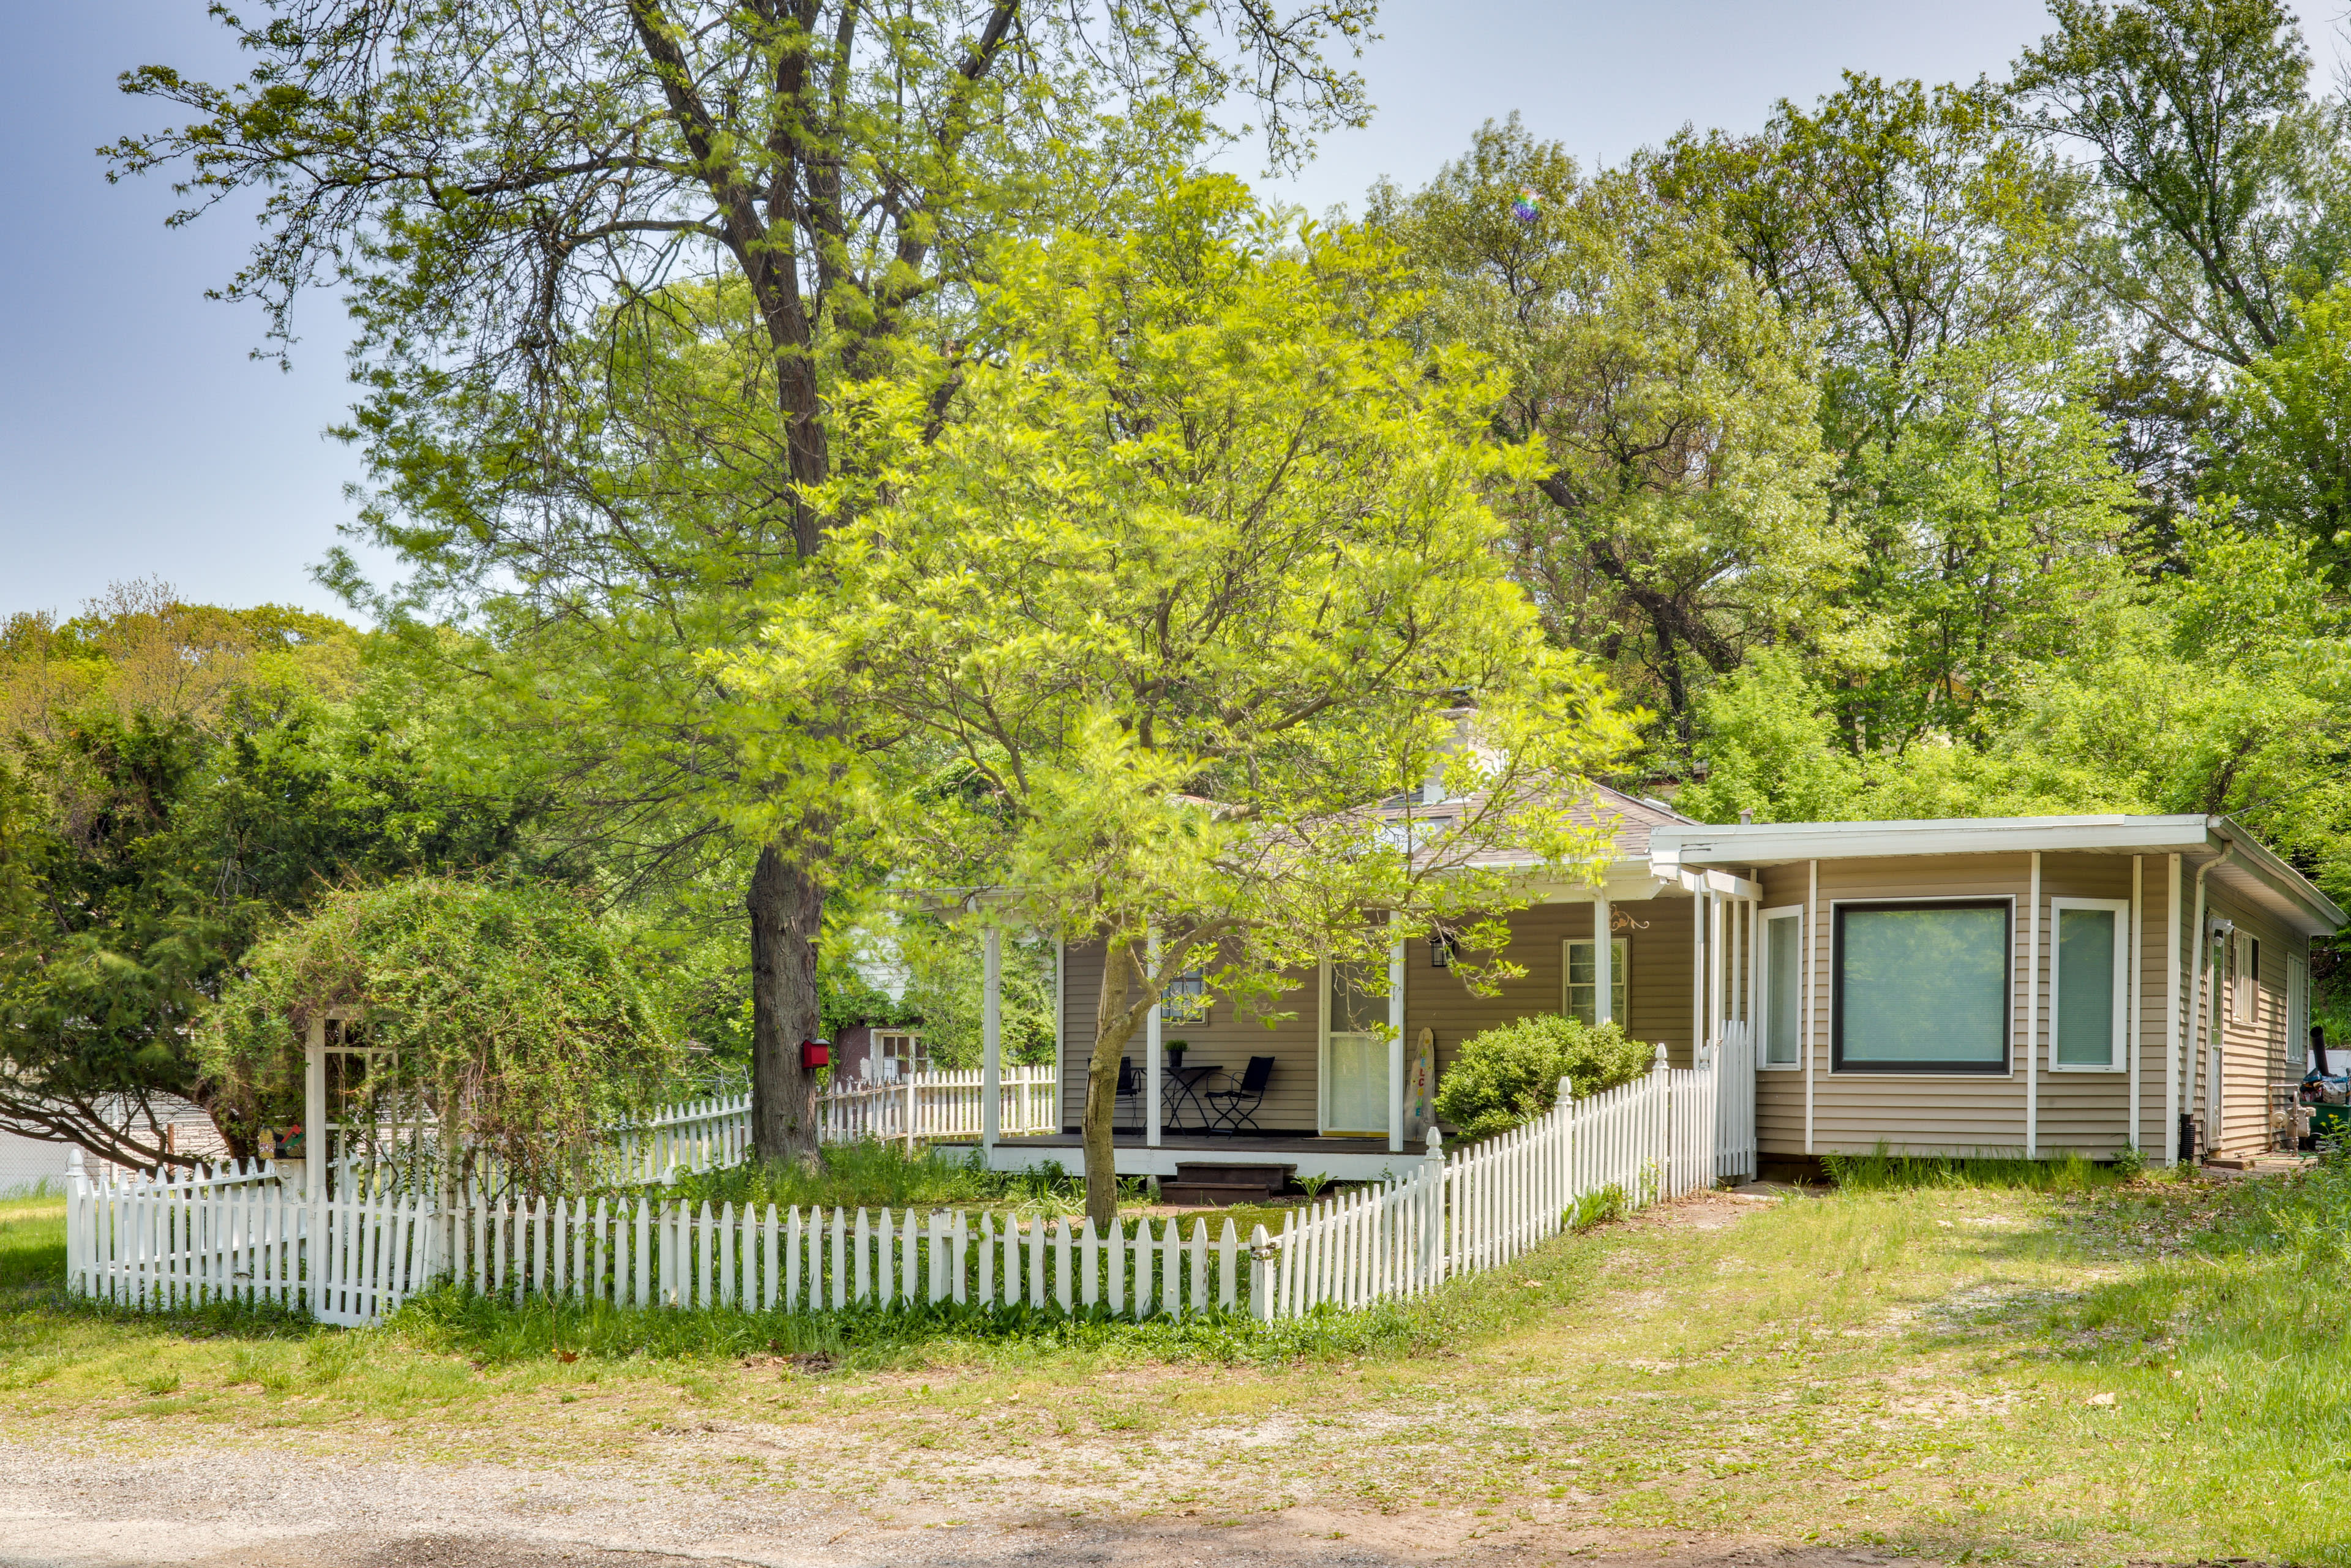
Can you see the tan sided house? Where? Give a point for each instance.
(2031, 985)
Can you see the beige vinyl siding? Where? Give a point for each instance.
(1659, 999)
(1227, 1040)
(1963, 1113)
(2255, 1067)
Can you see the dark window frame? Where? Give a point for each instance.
(2006, 1063)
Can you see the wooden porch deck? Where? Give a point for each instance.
(1346, 1159)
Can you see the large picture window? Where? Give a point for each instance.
(1921, 987)
(1782, 975)
(2087, 975)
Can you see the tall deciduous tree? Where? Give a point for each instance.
(1674, 511)
(498, 186)
(2196, 117)
(1200, 575)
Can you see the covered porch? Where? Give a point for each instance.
(1354, 1072)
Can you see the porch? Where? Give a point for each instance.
(1340, 1159)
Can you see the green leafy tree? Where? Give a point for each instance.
(526, 204)
(512, 1022)
(2278, 449)
(1673, 513)
(1192, 580)
(172, 778)
(2222, 173)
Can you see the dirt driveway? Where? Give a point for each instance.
(225, 1511)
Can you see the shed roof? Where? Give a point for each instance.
(2241, 862)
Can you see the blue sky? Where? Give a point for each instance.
(138, 438)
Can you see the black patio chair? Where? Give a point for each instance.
(1235, 1107)
(1130, 1091)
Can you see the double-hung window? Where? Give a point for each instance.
(1782, 975)
(1583, 982)
(1921, 986)
(1186, 999)
(2089, 969)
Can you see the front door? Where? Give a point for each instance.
(1354, 1053)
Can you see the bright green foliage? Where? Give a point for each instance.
(172, 777)
(1511, 1074)
(1192, 578)
(1672, 512)
(507, 1009)
(2280, 448)
(2222, 172)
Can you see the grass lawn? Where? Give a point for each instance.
(2091, 1372)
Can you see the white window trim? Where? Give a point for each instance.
(1620, 975)
(1762, 961)
(2118, 1059)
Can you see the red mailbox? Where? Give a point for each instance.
(815, 1053)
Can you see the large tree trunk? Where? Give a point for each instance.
(786, 906)
(1114, 1022)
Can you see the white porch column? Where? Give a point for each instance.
(314, 1158)
(1603, 961)
(1152, 1060)
(1396, 1038)
(2133, 983)
(991, 1037)
(1061, 1032)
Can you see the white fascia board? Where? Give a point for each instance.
(1627, 882)
(1770, 843)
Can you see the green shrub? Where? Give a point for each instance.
(1510, 1074)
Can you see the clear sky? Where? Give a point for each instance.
(139, 439)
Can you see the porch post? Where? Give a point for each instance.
(1151, 1058)
(991, 1038)
(1395, 1037)
(1060, 1031)
(314, 1161)
(1603, 960)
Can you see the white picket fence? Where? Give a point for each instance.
(916, 1107)
(245, 1236)
(166, 1244)
(1485, 1205)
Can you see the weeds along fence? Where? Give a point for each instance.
(353, 1257)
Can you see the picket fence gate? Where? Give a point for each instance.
(353, 1257)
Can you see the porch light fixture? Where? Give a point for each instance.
(1440, 951)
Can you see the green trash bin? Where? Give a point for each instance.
(2331, 1124)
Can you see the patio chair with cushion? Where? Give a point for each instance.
(1234, 1107)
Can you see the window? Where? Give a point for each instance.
(1783, 986)
(1186, 999)
(900, 1052)
(1920, 986)
(1581, 980)
(2089, 967)
(2244, 978)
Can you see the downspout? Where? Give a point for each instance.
(2200, 961)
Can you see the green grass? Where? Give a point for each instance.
(1963, 1359)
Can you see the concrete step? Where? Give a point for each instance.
(1211, 1194)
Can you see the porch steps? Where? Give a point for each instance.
(1205, 1182)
